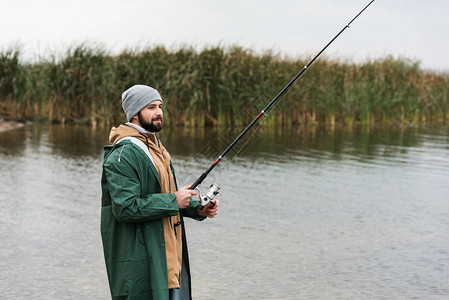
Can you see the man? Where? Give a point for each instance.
(142, 211)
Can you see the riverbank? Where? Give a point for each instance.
(9, 125)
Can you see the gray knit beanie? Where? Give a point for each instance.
(136, 98)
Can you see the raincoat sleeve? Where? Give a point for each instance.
(190, 211)
(131, 202)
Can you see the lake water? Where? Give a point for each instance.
(304, 214)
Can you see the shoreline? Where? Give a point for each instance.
(10, 125)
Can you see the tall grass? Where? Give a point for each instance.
(220, 86)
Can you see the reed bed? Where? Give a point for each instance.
(220, 86)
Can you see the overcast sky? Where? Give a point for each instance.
(407, 28)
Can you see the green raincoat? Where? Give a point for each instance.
(131, 224)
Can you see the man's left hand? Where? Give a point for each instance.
(210, 210)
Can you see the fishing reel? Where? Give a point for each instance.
(205, 199)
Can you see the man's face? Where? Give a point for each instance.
(150, 117)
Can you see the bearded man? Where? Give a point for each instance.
(142, 212)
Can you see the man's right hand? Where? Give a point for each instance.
(184, 195)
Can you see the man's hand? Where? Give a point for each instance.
(209, 210)
(184, 195)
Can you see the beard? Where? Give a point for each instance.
(150, 126)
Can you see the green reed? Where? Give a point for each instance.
(220, 86)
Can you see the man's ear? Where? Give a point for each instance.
(135, 119)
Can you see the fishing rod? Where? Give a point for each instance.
(214, 188)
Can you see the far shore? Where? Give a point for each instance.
(9, 125)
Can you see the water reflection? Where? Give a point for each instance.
(363, 141)
(75, 141)
(362, 144)
(12, 142)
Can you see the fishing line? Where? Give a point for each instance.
(280, 96)
(253, 134)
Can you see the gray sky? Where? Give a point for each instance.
(406, 28)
